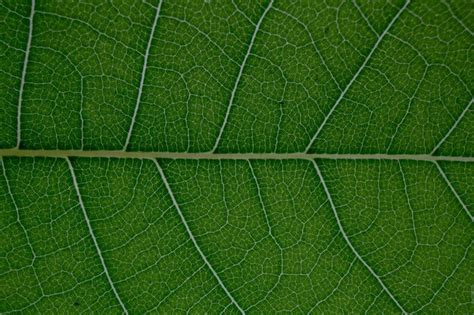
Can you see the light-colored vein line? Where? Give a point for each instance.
(191, 236)
(333, 291)
(313, 43)
(89, 26)
(456, 268)
(356, 75)
(373, 302)
(175, 290)
(260, 201)
(450, 131)
(23, 74)
(346, 238)
(457, 19)
(412, 211)
(270, 230)
(142, 78)
(366, 19)
(18, 220)
(242, 12)
(91, 232)
(408, 110)
(239, 75)
(453, 190)
(81, 110)
(202, 33)
(228, 156)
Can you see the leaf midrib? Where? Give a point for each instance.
(228, 156)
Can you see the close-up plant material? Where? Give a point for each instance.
(236, 156)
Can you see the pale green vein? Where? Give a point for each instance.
(450, 131)
(453, 190)
(356, 75)
(229, 156)
(172, 292)
(239, 75)
(457, 18)
(441, 287)
(313, 43)
(91, 232)
(408, 109)
(366, 19)
(142, 78)
(191, 236)
(23, 73)
(412, 211)
(18, 220)
(270, 230)
(333, 291)
(349, 243)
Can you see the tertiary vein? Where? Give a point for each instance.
(23, 228)
(443, 285)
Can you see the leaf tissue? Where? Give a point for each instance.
(236, 156)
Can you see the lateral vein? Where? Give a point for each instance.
(91, 232)
(239, 75)
(349, 243)
(356, 75)
(142, 78)
(191, 236)
(443, 174)
(23, 74)
(456, 123)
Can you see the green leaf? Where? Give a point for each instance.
(236, 156)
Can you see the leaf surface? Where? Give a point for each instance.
(236, 157)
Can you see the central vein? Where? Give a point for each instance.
(228, 156)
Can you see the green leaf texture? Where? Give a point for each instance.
(229, 156)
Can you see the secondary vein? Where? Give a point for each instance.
(23, 74)
(454, 191)
(191, 236)
(356, 75)
(91, 232)
(349, 243)
(142, 78)
(450, 131)
(239, 75)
